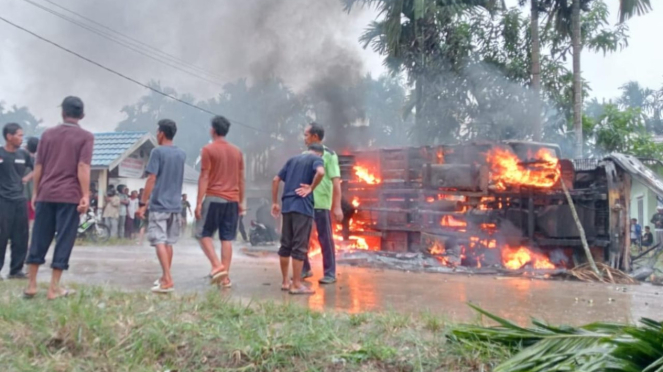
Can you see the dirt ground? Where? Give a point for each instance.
(256, 276)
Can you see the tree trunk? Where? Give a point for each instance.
(419, 109)
(577, 78)
(536, 71)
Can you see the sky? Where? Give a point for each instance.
(218, 36)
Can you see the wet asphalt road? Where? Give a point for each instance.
(256, 276)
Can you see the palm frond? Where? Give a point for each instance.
(631, 8)
(590, 348)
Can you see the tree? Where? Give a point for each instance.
(568, 23)
(423, 38)
(649, 101)
(535, 64)
(624, 131)
(22, 116)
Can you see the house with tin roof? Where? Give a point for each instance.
(120, 158)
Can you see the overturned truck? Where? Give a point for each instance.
(490, 204)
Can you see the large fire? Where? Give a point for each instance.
(508, 170)
(365, 175)
(516, 258)
(451, 221)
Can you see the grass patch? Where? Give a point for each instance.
(105, 330)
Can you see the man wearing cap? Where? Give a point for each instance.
(657, 220)
(61, 194)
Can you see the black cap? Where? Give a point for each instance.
(72, 102)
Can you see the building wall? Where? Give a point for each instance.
(649, 203)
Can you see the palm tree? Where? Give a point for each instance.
(535, 68)
(407, 32)
(567, 20)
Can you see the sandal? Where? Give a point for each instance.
(217, 277)
(65, 293)
(301, 291)
(227, 284)
(161, 290)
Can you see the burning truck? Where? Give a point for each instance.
(483, 205)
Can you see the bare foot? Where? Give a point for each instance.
(60, 292)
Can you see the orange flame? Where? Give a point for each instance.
(514, 259)
(364, 175)
(355, 202)
(451, 221)
(507, 169)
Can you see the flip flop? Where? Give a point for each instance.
(286, 288)
(215, 278)
(156, 283)
(229, 284)
(301, 291)
(66, 293)
(159, 289)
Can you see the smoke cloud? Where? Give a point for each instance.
(311, 45)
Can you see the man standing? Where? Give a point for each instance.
(163, 190)
(124, 203)
(186, 210)
(636, 233)
(14, 224)
(132, 209)
(327, 198)
(61, 194)
(301, 175)
(220, 197)
(657, 220)
(111, 213)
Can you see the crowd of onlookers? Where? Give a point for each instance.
(120, 212)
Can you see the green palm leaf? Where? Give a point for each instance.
(593, 347)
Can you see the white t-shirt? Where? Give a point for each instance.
(132, 208)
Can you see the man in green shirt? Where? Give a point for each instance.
(327, 200)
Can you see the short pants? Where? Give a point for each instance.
(164, 228)
(295, 235)
(218, 214)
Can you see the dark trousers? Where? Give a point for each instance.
(14, 226)
(51, 218)
(326, 239)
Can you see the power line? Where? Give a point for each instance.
(156, 50)
(120, 74)
(122, 43)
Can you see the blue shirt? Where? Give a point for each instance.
(167, 163)
(300, 169)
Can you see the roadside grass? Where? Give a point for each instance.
(101, 329)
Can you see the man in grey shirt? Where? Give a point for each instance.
(163, 190)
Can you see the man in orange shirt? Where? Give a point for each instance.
(220, 197)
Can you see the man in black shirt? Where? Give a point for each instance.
(14, 224)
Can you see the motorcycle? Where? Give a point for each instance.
(259, 234)
(93, 229)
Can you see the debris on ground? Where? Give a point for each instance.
(608, 274)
